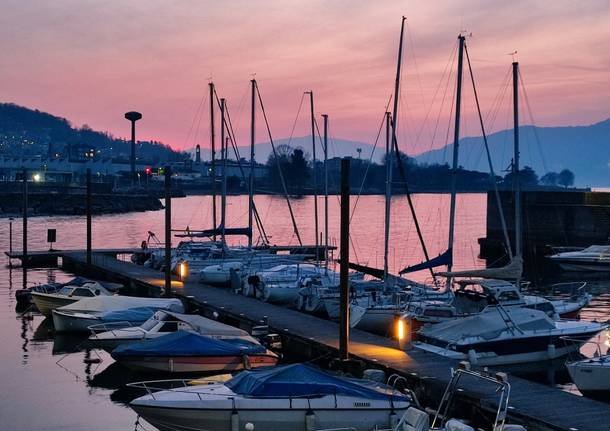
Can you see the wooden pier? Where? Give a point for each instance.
(538, 407)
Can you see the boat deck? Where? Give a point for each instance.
(537, 406)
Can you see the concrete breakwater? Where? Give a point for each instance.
(54, 203)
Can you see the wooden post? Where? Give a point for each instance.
(168, 231)
(24, 261)
(344, 261)
(88, 211)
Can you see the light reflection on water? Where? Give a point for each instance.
(47, 384)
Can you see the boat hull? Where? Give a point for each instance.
(196, 364)
(46, 303)
(378, 321)
(583, 266)
(66, 322)
(591, 378)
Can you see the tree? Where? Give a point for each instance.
(298, 172)
(527, 177)
(565, 178)
(550, 179)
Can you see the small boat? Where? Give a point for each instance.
(502, 336)
(163, 322)
(188, 352)
(71, 292)
(283, 398)
(77, 317)
(595, 258)
(592, 375)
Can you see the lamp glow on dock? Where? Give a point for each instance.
(183, 270)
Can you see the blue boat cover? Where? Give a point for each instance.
(184, 343)
(442, 259)
(301, 380)
(132, 315)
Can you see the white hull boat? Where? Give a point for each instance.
(47, 302)
(595, 258)
(591, 376)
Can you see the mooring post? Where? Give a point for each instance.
(168, 231)
(344, 261)
(24, 261)
(88, 211)
(10, 240)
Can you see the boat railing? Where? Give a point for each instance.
(597, 344)
(153, 386)
(98, 328)
(575, 289)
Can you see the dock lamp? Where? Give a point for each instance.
(133, 116)
(402, 331)
(183, 270)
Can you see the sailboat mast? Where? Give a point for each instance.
(516, 180)
(251, 187)
(325, 117)
(315, 177)
(213, 149)
(456, 139)
(223, 154)
(388, 195)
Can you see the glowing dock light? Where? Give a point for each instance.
(183, 270)
(36, 178)
(400, 329)
(403, 332)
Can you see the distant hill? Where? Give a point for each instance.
(26, 132)
(585, 150)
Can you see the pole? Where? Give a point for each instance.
(10, 240)
(344, 261)
(516, 179)
(456, 138)
(388, 197)
(132, 159)
(325, 190)
(168, 231)
(315, 177)
(88, 212)
(223, 155)
(24, 261)
(251, 187)
(213, 147)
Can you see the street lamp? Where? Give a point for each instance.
(133, 116)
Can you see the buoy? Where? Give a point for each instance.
(310, 421)
(472, 356)
(234, 420)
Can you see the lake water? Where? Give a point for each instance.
(45, 381)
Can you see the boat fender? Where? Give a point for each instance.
(472, 356)
(234, 420)
(551, 352)
(310, 420)
(249, 426)
(246, 362)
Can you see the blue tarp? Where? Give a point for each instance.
(442, 259)
(132, 315)
(183, 343)
(300, 380)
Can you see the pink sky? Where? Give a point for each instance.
(90, 61)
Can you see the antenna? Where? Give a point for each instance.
(512, 54)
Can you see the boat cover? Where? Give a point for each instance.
(302, 380)
(207, 326)
(512, 271)
(184, 343)
(133, 315)
(442, 259)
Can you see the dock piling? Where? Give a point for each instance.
(344, 261)
(88, 212)
(24, 262)
(168, 231)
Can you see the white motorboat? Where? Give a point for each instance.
(163, 322)
(284, 398)
(69, 294)
(592, 375)
(220, 274)
(77, 317)
(278, 284)
(501, 336)
(595, 258)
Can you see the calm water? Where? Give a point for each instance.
(45, 381)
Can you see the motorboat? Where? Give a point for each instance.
(163, 322)
(77, 317)
(592, 375)
(278, 284)
(301, 397)
(595, 258)
(506, 335)
(71, 292)
(189, 352)
(283, 398)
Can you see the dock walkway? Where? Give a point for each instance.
(538, 406)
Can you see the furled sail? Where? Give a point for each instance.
(512, 271)
(440, 260)
(206, 233)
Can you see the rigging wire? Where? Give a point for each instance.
(534, 128)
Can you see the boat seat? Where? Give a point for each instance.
(415, 420)
(456, 425)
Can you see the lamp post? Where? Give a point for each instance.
(133, 116)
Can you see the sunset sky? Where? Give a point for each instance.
(90, 61)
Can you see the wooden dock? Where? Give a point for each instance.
(538, 407)
(50, 257)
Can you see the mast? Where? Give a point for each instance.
(516, 179)
(388, 197)
(213, 149)
(251, 187)
(315, 179)
(223, 154)
(456, 138)
(325, 117)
